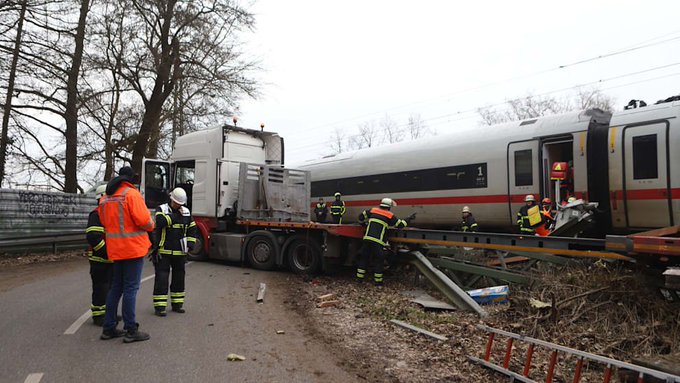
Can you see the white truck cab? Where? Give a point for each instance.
(206, 165)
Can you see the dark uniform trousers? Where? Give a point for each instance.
(160, 286)
(101, 274)
(373, 256)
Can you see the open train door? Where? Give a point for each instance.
(646, 187)
(523, 173)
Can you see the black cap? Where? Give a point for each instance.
(126, 171)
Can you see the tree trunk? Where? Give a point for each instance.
(71, 110)
(10, 89)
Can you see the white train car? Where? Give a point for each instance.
(629, 162)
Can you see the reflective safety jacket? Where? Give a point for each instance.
(177, 230)
(378, 220)
(524, 221)
(95, 238)
(126, 221)
(338, 208)
(469, 224)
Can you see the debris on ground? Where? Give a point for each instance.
(235, 358)
(326, 300)
(427, 301)
(260, 293)
(602, 308)
(418, 330)
(490, 295)
(280, 332)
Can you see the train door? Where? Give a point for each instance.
(646, 187)
(523, 173)
(557, 150)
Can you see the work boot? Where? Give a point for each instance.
(135, 335)
(178, 309)
(111, 333)
(98, 320)
(160, 312)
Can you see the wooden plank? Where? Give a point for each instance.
(418, 330)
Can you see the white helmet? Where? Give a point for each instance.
(529, 197)
(387, 202)
(179, 196)
(100, 191)
(466, 209)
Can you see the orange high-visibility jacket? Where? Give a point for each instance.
(126, 221)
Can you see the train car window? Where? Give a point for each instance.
(524, 168)
(645, 159)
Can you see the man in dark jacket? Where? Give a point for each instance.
(321, 211)
(101, 269)
(175, 236)
(377, 221)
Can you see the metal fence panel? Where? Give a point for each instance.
(25, 213)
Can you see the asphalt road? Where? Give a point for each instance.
(222, 317)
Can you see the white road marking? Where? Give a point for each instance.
(34, 377)
(83, 318)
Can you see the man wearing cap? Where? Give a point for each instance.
(175, 236)
(101, 268)
(377, 220)
(337, 208)
(126, 221)
(469, 222)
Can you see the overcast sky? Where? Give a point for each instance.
(331, 65)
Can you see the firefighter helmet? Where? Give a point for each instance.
(100, 191)
(337, 194)
(529, 197)
(571, 199)
(466, 209)
(387, 202)
(178, 196)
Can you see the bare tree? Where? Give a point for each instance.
(391, 130)
(338, 141)
(7, 108)
(187, 42)
(417, 127)
(51, 56)
(367, 137)
(536, 106)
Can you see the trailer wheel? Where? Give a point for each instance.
(261, 252)
(304, 255)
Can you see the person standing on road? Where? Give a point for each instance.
(175, 235)
(126, 221)
(101, 268)
(321, 211)
(377, 220)
(469, 223)
(337, 208)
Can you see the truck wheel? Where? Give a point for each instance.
(261, 252)
(304, 255)
(198, 254)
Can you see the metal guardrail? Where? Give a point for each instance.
(43, 242)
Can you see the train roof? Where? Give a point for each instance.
(471, 135)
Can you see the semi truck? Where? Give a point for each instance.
(247, 206)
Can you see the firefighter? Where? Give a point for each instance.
(547, 213)
(337, 208)
(321, 211)
(377, 220)
(528, 216)
(469, 222)
(101, 269)
(175, 235)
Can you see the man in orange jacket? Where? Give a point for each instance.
(126, 221)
